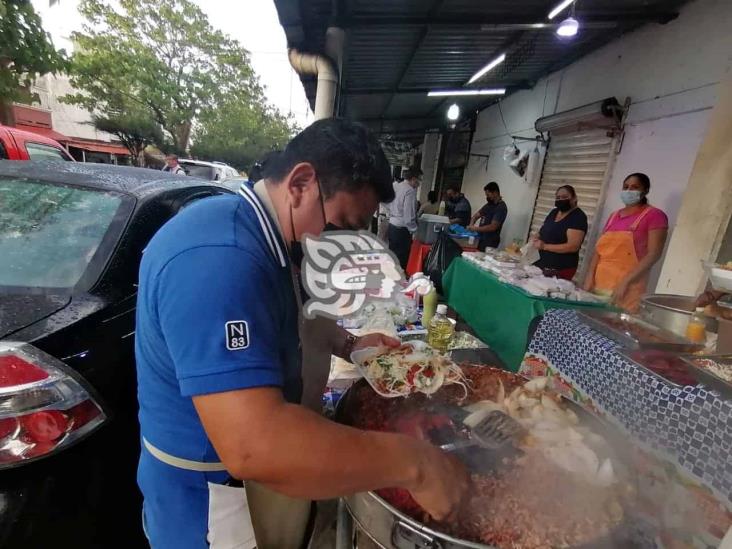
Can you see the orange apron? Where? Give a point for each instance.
(618, 258)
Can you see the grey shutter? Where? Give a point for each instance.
(580, 159)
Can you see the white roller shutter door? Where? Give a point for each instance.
(581, 159)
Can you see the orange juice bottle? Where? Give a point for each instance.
(696, 330)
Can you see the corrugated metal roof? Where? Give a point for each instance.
(397, 50)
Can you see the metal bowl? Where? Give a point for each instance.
(672, 312)
(389, 528)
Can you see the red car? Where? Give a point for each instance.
(17, 144)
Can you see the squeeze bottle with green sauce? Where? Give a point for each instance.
(429, 305)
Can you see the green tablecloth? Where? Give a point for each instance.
(499, 313)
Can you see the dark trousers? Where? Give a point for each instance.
(400, 242)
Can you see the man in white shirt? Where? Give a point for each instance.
(172, 166)
(403, 215)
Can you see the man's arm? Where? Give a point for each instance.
(258, 436)
(410, 211)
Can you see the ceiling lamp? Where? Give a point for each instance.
(464, 92)
(568, 28)
(453, 113)
(559, 8)
(490, 66)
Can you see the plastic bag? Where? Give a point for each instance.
(519, 164)
(443, 251)
(529, 254)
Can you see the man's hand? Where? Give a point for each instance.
(473, 228)
(708, 298)
(538, 244)
(376, 340)
(443, 484)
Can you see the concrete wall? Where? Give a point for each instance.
(69, 120)
(671, 73)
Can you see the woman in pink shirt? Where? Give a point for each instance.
(631, 243)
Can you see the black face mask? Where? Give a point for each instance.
(297, 255)
(563, 205)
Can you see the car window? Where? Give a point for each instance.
(36, 151)
(3, 151)
(50, 234)
(196, 170)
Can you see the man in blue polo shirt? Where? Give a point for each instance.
(219, 376)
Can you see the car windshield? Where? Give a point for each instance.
(196, 170)
(51, 233)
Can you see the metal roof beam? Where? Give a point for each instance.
(503, 22)
(523, 85)
(433, 11)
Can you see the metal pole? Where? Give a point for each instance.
(344, 527)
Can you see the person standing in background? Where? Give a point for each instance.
(560, 237)
(457, 208)
(492, 217)
(172, 166)
(431, 206)
(403, 216)
(631, 243)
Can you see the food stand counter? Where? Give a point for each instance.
(499, 313)
(682, 434)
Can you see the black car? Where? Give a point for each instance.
(71, 239)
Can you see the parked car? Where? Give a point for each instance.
(212, 171)
(17, 144)
(71, 239)
(234, 183)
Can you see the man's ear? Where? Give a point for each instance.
(301, 182)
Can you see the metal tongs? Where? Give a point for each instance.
(487, 443)
(494, 432)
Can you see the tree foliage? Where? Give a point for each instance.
(164, 58)
(239, 132)
(26, 51)
(133, 127)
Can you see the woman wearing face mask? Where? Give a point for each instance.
(561, 236)
(631, 243)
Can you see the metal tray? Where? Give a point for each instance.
(597, 320)
(707, 377)
(693, 377)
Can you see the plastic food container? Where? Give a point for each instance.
(719, 277)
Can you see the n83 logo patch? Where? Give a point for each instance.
(237, 335)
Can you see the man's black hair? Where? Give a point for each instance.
(412, 173)
(492, 187)
(344, 154)
(432, 197)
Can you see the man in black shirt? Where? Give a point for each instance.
(492, 217)
(457, 207)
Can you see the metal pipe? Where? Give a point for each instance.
(344, 527)
(322, 67)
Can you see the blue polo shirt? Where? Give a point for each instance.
(215, 312)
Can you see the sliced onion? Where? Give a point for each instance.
(537, 384)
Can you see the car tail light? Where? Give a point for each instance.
(44, 405)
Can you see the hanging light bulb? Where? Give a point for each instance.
(568, 28)
(453, 113)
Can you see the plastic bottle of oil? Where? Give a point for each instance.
(696, 330)
(440, 330)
